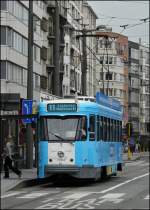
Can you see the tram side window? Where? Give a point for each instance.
(101, 128)
(105, 129)
(120, 130)
(115, 131)
(108, 129)
(111, 130)
(92, 127)
(117, 126)
(98, 128)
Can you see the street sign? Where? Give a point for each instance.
(27, 109)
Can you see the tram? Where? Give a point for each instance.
(81, 138)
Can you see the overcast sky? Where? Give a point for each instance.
(120, 13)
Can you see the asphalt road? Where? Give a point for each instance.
(127, 190)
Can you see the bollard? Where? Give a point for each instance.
(129, 154)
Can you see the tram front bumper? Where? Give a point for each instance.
(55, 169)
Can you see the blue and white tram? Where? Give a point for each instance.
(80, 138)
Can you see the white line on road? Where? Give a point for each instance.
(147, 197)
(126, 182)
(11, 194)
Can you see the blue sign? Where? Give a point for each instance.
(107, 101)
(27, 109)
(62, 107)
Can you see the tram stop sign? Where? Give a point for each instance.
(27, 109)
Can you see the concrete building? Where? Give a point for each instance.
(111, 68)
(79, 14)
(139, 92)
(89, 21)
(144, 95)
(14, 47)
(72, 53)
(134, 88)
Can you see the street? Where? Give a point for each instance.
(127, 190)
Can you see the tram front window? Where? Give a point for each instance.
(64, 128)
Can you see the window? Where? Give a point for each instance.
(66, 70)
(24, 77)
(50, 54)
(109, 76)
(111, 130)
(3, 35)
(67, 49)
(3, 70)
(18, 10)
(36, 53)
(25, 15)
(110, 60)
(10, 37)
(10, 71)
(36, 81)
(101, 128)
(17, 43)
(105, 129)
(25, 46)
(92, 127)
(108, 129)
(98, 128)
(3, 5)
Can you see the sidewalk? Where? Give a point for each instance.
(135, 156)
(28, 176)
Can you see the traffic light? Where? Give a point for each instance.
(129, 129)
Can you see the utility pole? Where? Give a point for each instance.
(84, 62)
(29, 136)
(56, 82)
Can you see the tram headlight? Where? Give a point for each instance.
(60, 154)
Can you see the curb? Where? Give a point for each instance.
(30, 183)
(128, 161)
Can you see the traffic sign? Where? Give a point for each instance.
(27, 109)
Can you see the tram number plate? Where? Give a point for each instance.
(109, 170)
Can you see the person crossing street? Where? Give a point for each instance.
(8, 159)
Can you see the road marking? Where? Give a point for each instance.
(77, 195)
(11, 194)
(140, 162)
(126, 182)
(147, 197)
(34, 195)
(112, 197)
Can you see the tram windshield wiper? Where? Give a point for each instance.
(56, 135)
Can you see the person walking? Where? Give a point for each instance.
(9, 159)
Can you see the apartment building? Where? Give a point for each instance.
(89, 21)
(144, 95)
(72, 52)
(111, 66)
(79, 15)
(14, 47)
(134, 88)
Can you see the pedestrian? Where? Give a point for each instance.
(8, 161)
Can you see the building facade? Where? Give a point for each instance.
(144, 95)
(134, 88)
(89, 21)
(111, 66)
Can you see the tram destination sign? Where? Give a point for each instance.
(62, 107)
